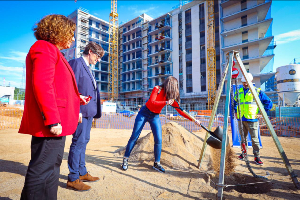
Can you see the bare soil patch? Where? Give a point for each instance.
(182, 180)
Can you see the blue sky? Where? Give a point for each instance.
(19, 17)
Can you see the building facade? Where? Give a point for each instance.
(91, 28)
(175, 44)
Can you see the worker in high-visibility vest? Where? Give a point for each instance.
(249, 113)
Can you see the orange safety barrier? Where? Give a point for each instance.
(202, 112)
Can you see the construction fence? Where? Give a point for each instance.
(10, 118)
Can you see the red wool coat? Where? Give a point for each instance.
(51, 94)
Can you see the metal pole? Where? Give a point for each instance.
(224, 139)
(268, 123)
(213, 113)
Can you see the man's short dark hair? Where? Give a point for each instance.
(95, 48)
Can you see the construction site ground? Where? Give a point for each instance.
(141, 181)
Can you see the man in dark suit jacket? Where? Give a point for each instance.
(87, 87)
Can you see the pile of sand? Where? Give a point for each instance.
(180, 149)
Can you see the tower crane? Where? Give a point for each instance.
(113, 52)
(211, 54)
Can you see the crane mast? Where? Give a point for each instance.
(113, 52)
(211, 54)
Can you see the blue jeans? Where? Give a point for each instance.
(76, 159)
(145, 115)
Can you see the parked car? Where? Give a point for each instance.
(4, 100)
(127, 113)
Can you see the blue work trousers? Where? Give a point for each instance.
(76, 159)
(145, 115)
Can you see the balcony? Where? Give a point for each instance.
(263, 44)
(226, 3)
(157, 30)
(99, 29)
(132, 40)
(160, 63)
(160, 51)
(132, 30)
(132, 60)
(262, 9)
(132, 70)
(132, 50)
(262, 27)
(263, 60)
(155, 42)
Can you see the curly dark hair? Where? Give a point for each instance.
(56, 29)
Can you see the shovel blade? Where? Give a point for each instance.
(216, 142)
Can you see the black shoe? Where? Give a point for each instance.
(125, 164)
(258, 161)
(241, 157)
(158, 167)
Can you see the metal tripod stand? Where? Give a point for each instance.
(228, 71)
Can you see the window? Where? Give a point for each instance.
(156, 81)
(90, 22)
(243, 4)
(244, 36)
(245, 53)
(128, 37)
(244, 20)
(188, 38)
(133, 35)
(189, 51)
(203, 61)
(138, 54)
(105, 27)
(168, 45)
(189, 89)
(133, 45)
(104, 87)
(189, 77)
(97, 24)
(133, 55)
(103, 77)
(203, 87)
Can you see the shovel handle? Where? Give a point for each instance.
(193, 119)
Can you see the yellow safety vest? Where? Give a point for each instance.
(249, 109)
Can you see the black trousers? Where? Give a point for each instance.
(41, 181)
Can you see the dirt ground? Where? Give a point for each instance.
(140, 181)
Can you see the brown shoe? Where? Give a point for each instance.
(78, 185)
(88, 177)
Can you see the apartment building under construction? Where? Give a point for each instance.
(175, 43)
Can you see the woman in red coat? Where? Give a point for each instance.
(52, 103)
(162, 95)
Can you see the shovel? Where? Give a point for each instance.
(215, 139)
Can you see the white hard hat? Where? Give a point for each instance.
(249, 76)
